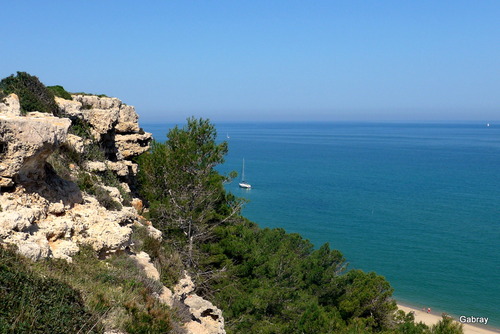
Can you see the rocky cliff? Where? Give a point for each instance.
(69, 181)
(47, 215)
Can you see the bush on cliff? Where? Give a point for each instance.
(86, 296)
(33, 95)
(59, 91)
(90, 94)
(31, 303)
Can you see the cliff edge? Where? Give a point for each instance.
(69, 182)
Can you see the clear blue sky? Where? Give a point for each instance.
(266, 60)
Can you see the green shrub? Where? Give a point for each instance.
(31, 303)
(447, 326)
(60, 164)
(270, 281)
(86, 181)
(153, 319)
(83, 93)
(93, 152)
(115, 289)
(80, 128)
(59, 91)
(33, 95)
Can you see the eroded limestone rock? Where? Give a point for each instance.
(127, 120)
(144, 262)
(71, 107)
(63, 249)
(6, 182)
(10, 106)
(154, 233)
(37, 222)
(122, 168)
(132, 145)
(102, 121)
(207, 317)
(112, 123)
(26, 143)
(95, 166)
(48, 215)
(97, 102)
(75, 142)
(184, 287)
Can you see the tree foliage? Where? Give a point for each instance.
(180, 182)
(447, 326)
(33, 95)
(277, 282)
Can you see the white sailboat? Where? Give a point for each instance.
(243, 183)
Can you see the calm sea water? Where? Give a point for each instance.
(416, 203)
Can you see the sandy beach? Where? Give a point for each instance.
(430, 319)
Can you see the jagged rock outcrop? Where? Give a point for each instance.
(121, 168)
(115, 127)
(143, 260)
(10, 106)
(131, 145)
(45, 215)
(26, 142)
(113, 123)
(76, 143)
(51, 224)
(206, 318)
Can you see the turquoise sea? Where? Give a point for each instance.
(416, 203)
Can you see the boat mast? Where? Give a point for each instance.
(243, 171)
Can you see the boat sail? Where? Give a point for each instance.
(243, 183)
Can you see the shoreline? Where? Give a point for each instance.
(432, 318)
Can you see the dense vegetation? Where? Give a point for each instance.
(59, 91)
(86, 296)
(36, 304)
(185, 193)
(265, 280)
(280, 284)
(33, 95)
